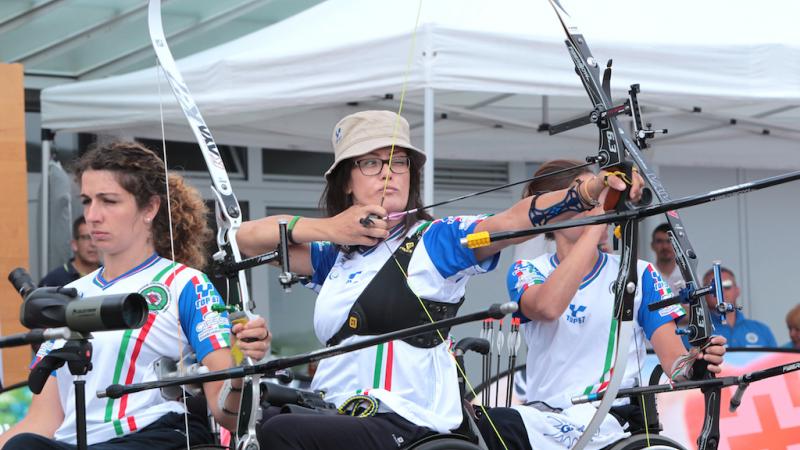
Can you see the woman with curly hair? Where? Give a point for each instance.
(124, 190)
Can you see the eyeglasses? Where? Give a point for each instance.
(374, 166)
(660, 241)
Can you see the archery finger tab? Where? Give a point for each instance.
(366, 222)
(477, 240)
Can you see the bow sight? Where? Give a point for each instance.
(600, 113)
(225, 266)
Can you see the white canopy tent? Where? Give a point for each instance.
(499, 69)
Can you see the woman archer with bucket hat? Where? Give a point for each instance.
(374, 267)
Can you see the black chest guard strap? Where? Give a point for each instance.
(388, 304)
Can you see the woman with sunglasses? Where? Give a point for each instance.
(125, 202)
(378, 269)
(566, 308)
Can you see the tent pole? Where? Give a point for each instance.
(428, 172)
(545, 109)
(44, 201)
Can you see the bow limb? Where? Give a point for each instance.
(228, 212)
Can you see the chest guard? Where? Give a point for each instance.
(387, 303)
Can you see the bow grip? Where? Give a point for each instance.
(616, 200)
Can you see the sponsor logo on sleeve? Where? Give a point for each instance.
(672, 311)
(212, 324)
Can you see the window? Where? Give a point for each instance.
(299, 163)
(187, 157)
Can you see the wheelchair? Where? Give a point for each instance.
(643, 435)
(466, 436)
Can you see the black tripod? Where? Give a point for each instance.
(77, 354)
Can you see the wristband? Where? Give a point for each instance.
(583, 194)
(289, 229)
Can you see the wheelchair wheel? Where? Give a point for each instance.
(445, 442)
(640, 442)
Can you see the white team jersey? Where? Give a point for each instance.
(127, 356)
(573, 355)
(416, 383)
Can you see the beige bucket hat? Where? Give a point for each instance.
(365, 131)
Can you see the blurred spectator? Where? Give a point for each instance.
(739, 330)
(793, 323)
(85, 259)
(665, 257)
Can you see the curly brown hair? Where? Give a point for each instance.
(141, 172)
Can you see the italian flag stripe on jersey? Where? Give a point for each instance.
(608, 370)
(383, 366)
(218, 340)
(122, 358)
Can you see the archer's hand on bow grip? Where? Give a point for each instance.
(252, 339)
(618, 186)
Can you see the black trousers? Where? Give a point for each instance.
(509, 426)
(337, 432)
(168, 433)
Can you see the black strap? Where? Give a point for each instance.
(388, 304)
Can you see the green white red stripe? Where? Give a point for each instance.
(608, 363)
(122, 358)
(384, 362)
